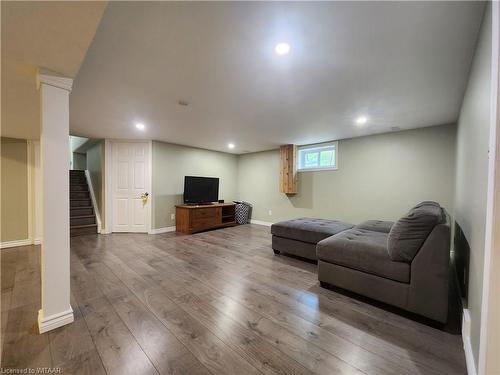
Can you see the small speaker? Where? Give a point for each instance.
(221, 200)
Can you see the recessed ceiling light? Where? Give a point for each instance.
(140, 126)
(361, 120)
(282, 48)
(230, 145)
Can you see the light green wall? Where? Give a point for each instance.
(79, 161)
(379, 177)
(95, 166)
(472, 170)
(14, 201)
(172, 162)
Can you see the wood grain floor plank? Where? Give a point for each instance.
(83, 286)
(166, 352)
(117, 348)
(4, 316)
(8, 267)
(263, 355)
(310, 356)
(70, 341)
(87, 363)
(206, 347)
(23, 345)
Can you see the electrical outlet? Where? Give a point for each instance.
(172, 216)
(270, 212)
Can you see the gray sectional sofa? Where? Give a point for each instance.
(404, 264)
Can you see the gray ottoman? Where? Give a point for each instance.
(300, 236)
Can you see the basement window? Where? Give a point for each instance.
(317, 157)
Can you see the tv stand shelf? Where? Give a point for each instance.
(196, 218)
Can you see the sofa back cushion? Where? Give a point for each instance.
(408, 234)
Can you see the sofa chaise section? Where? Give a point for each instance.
(407, 266)
(365, 251)
(300, 236)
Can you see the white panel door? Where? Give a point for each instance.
(130, 182)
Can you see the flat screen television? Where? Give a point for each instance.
(200, 189)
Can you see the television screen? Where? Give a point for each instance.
(201, 189)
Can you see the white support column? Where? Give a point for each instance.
(54, 143)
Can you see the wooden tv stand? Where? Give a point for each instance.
(196, 218)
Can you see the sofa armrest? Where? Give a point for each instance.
(429, 276)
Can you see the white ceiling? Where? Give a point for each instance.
(402, 64)
(52, 35)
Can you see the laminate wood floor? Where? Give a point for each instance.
(218, 302)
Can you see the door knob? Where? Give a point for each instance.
(144, 197)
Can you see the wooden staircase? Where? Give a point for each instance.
(81, 213)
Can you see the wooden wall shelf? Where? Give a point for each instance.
(196, 218)
(288, 169)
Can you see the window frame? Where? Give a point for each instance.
(313, 146)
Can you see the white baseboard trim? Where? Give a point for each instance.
(54, 321)
(162, 230)
(260, 222)
(16, 243)
(469, 357)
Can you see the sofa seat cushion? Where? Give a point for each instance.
(376, 225)
(364, 251)
(308, 230)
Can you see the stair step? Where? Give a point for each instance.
(81, 211)
(77, 180)
(80, 203)
(78, 230)
(79, 195)
(81, 220)
(78, 187)
(78, 183)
